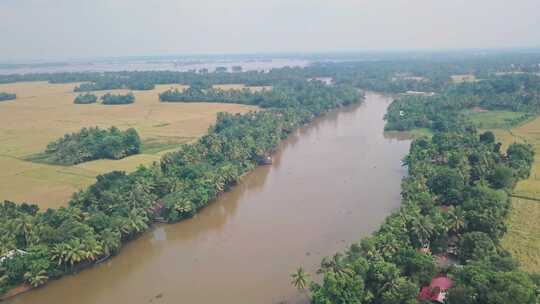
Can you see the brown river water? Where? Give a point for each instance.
(331, 183)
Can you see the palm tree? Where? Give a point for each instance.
(3, 276)
(141, 194)
(388, 245)
(58, 253)
(36, 278)
(336, 264)
(300, 279)
(23, 225)
(71, 252)
(76, 252)
(455, 220)
(423, 228)
(7, 242)
(111, 241)
(135, 222)
(93, 249)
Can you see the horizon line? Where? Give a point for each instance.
(272, 54)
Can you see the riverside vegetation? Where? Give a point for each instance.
(120, 206)
(457, 188)
(457, 194)
(49, 108)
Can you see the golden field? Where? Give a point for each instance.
(463, 78)
(44, 112)
(523, 236)
(526, 133)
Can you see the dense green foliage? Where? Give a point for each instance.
(198, 94)
(296, 94)
(120, 206)
(454, 201)
(7, 96)
(450, 196)
(93, 143)
(456, 193)
(387, 72)
(117, 99)
(511, 92)
(111, 83)
(86, 98)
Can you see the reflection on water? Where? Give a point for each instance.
(331, 183)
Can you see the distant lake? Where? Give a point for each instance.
(180, 65)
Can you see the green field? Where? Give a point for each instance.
(523, 236)
(463, 78)
(496, 119)
(529, 133)
(44, 112)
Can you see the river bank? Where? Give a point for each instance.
(331, 179)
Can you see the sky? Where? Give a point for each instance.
(62, 29)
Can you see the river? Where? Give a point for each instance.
(331, 183)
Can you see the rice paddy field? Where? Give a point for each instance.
(484, 119)
(44, 112)
(463, 78)
(528, 132)
(523, 236)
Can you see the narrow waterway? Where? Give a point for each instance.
(331, 183)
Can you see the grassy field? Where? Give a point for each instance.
(523, 236)
(525, 133)
(463, 78)
(496, 119)
(43, 112)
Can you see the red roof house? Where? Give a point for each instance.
(436, 291)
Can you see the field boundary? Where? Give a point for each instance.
(525, 197)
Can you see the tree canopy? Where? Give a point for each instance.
(93, 143)
(117, 99)
(390, 266)
(7, 96)
(85, 98)
(120, 206)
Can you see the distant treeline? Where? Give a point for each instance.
(107, 99)
(120, 206)
(93, 143)
(510, 92)
(7, 96)
(293, 94)
(85, 98)
(198, 94)
(117, 99)
(393, 74)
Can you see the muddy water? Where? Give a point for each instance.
(332, 183)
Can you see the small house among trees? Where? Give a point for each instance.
(437, 289)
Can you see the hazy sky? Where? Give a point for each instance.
(55, 29)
